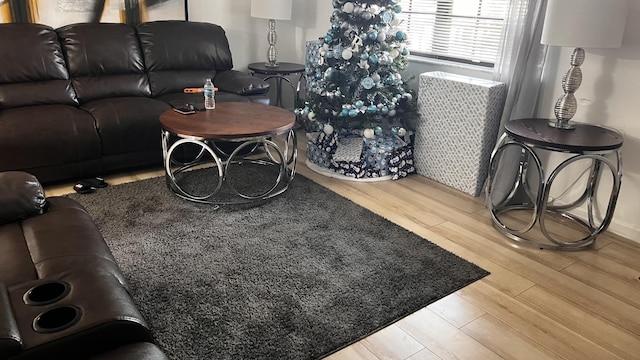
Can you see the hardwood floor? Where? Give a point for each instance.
(536, 304)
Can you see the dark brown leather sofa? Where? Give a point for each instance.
(62, 295)
(83, 100)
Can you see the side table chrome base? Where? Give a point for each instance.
(261, 154)
(527, 191)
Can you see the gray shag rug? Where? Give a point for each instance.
(296, 277)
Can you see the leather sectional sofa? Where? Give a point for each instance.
(62, 295)
(83, 100)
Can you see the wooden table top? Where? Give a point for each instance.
(230, 121)
(583, 138)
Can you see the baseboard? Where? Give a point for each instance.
(618, 227)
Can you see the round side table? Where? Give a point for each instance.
(280, 73)
(519, 191)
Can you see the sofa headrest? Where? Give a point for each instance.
(104, 60)
(35, 73)
(21, 196)
(181, 54)
(184, 45)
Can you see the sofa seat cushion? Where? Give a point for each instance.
(127, 124)
(61, 134)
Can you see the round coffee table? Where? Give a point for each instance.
(264, 166)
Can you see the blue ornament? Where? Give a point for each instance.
(364, 56)
(328, 39)
(344, 112)
(377, 130)
(387, 17)
(385, 109)
(400, 35)
(405, 51)
(372, 109)
(353, 113)
(367, 83)
(373, 35)
(397, 9)
(373, 58)
(359, 104)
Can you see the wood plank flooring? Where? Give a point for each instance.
(536, 304)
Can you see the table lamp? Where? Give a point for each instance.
(272, 10)
(580, 24)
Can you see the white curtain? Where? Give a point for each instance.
(521, 61)
(520, 65)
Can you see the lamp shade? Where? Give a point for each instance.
(271, 9)
(585, 23)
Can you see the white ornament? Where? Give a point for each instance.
(328, 129)
(392, 113)
(347, 54)
(348, 7)
(369, 133)
(394, 53)
(311, 115)
(402, 132)
(375, 77)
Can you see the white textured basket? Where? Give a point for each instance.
(457, 129)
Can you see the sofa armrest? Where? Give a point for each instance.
(239, 83)
(21, 196)
(10, 342)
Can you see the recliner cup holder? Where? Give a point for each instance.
(57, 319)
(46, 293)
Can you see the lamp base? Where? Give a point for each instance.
(566, 106)
(272, 52)
(559, 124)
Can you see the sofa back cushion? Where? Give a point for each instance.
(180, 54)
(104, 60)
(32, 67)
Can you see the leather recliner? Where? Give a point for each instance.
(62, 294)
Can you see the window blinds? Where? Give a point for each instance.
(459, 30)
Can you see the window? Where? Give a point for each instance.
(467, 31)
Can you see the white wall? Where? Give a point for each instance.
(608, 94)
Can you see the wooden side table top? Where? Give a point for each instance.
(230, 121)
(583, 138)
(284, 68)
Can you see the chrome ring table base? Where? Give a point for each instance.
(524, 199)
(258, 169)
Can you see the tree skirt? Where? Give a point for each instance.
(352, 156)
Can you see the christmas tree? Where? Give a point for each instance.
(357, 83)
(356, 86)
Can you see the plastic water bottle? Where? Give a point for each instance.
(209, 95)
